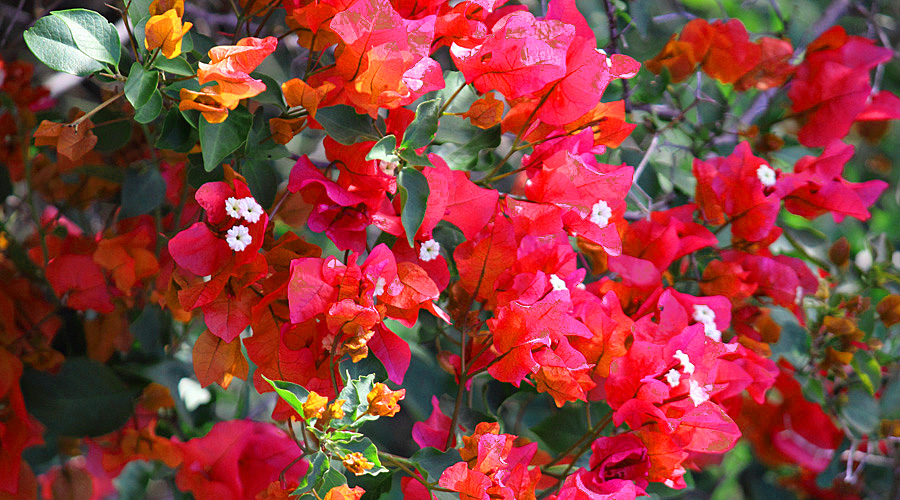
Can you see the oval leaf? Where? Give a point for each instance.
(345, 125)
(93, 34)
(50, 40)
(140, 85)
(414, 193)
(218, 140)
(423, 128)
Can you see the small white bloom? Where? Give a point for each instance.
(557, 283)
(233, 207)
(686, 365)
(711, 331)
(703, 313)
(192, 393)
(238, 238)
(863, 260)
(895, 259)
(698, 394)
(601, 213)
(379, 287)
(673, 377)
(249, 209)
(766, 175)
(429, 251)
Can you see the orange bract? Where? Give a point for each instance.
(165, 32)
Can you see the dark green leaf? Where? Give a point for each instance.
(112, 136)
(262, 180)
(345, 125)
(148, 112)
(384, 150)
(890, 400)
(93, 34)
(414, 191)
(148, 330)
(218, 140)
(465, 157)
(318, 464)
(260, 145)
(423, 128)
(176, 133)
(814, 390)
(50, 40)
(414, 159)
(330, 479)
(177, 66)
(272, 94)
(85, 398)
(140, 85)
(198, 176)
(138, 10)
(432, 462)
(142, 191)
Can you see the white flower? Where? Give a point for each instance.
(698, 394)
(557, 283)
(686, 365)
(863, 260)
(429, 250)
(673, 377)
(379, 287)
(703, 313)
(711, 331)
(766, 175)
(233, 207)
(249, 209)
(238, 238)
(895, 259)
(192, 393)
(601, 213)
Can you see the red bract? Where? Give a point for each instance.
(237, 460)
(741, 187)
(434, 431)
(817, 187)
(519, 57)
(18, 430)
(831, 87)
(384, 57)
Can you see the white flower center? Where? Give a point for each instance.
(238, 238)
(379, 287)
(766, 175)
(686, 365)
(673, 377)
(704, 315)
(698, 394)
(557, 283)
(233, 207)
(601, 213)
(429, 250)
(250, 210)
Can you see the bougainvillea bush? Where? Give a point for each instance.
(383, 249)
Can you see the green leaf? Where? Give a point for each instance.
(218, 140)
(384, 150)
(890, 400)
(318, 465)
(148, 329)
(176, 133)
(421, 131)
(140, 85)
(138, 10)
(868, 370)
(414, 159)
(330, 479)
(432, 462)
(345, 125)
(50, 40)
(149, 111)
(860, 412)
(143, 190)
(260, 145)
(465, 157)
(262, 180)
(177, 66)
(292, 394)
(112, 136)
(85, 398)
(93, 34)
(344, 436)
(356, 403)
(414, 191)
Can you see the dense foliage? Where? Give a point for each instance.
(379, 249)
